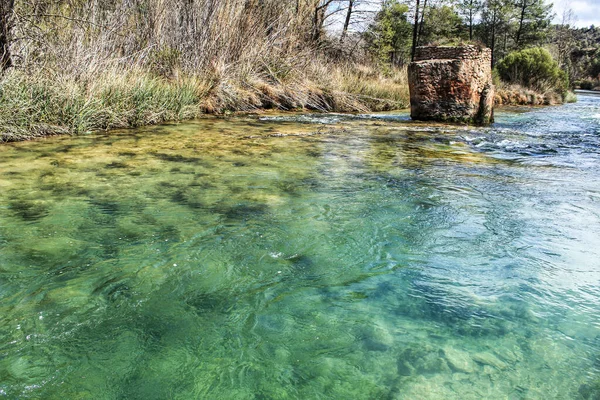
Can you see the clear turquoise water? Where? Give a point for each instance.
(305, 257)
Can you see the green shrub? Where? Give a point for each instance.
(570, 97)
(496, 78)
(595, 67)
(533, 68)
(586, 84)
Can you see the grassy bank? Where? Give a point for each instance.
(516, 95)
(88, 66)
(91, 65)
(34, 105)
(43, 104)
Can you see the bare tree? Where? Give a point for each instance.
(348, 19)
(358, 14)
(565, 41)
(319, 17)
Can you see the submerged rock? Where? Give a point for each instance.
(590, 391)
(508, 355)
(489, 359)
(459, 361)
(452, 84)
(421, 360)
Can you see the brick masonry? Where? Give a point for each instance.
(452, 84)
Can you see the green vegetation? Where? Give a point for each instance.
(443, 24)
(33, 106)
(583, 55)
(533, 68)
(388, 37)
(38, 106)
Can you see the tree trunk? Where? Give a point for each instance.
(6, 10)
(521, 20)
(493, 46)
(421, 23)
(471, 21)
(415, 31)
(347, 22)
(319, 14)
(316, 33)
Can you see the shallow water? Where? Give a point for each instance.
(305, 257)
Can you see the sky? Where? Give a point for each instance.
(587, 12)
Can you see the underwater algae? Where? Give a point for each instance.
(302, 257)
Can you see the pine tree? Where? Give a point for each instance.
(534, 18)
(469, 10)
(389, 34)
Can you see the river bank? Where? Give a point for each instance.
(588, 92)
(44, 104)
(515, 95)
(39, 104)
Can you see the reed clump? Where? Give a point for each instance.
(34, 105)
(39, 105)
(516, 95)
(104, 64)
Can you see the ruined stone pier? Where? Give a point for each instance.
(452, 84)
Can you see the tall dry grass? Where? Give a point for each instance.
(48, 103)
(517, 95)
(102, 64)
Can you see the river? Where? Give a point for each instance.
(305, 256)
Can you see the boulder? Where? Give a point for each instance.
(459, 361)
(452, 84)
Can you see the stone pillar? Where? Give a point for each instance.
(452, 84)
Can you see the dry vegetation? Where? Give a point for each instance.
(514, 95)
(73, 66)
(101, 64)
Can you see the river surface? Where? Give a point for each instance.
(305, 257)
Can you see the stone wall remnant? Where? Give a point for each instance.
(452, 84)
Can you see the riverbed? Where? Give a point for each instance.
(305, 256)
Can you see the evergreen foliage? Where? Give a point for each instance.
(533, 20)
(533, 68)
(443, 24)
(389, 36)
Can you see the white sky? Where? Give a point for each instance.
(587, 12)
